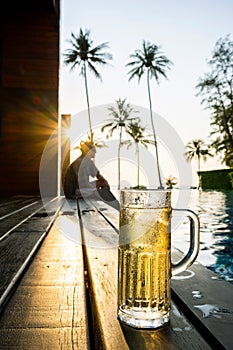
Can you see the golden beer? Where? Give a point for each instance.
(144, 265)
(144, 257)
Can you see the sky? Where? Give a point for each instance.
(186, 31)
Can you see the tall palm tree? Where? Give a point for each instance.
(121, 117)
(197, 149)
(152, 61)
(84, 55)
(137, 133)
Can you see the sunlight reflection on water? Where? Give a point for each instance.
(215, 210)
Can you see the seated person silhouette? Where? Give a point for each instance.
(77, 183)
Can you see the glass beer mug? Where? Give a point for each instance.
(144, 257)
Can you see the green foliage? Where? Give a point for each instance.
(231, 178)
(150, 59)
(216, 179)
(171, 181)
(138, 134)
(121, 116)
(82, 52)
(216, 91)
(197, 149)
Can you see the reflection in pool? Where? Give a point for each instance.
(215, 210)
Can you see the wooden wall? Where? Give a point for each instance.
(29, 81)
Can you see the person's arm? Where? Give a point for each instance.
(101, 181)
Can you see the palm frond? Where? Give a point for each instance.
(82, 50)
(149, 58)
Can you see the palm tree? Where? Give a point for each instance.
(137, 132)
(92, 138)
(197, 149)
(152, 61)
(171, 181)
(84, 55)
(121, 118)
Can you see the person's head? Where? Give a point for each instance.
(88, 148)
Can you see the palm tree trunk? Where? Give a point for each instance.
(119, 159)
(88, 104)
(198, 169)
(198, 163)
(137, 152)
(153, 129)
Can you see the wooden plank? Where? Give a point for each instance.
(9, 204)
(207, 300)
(14, 251)
(179, 334)
(20, 246)
(48, 310)
(16, 215)
(101, 253)
(101, 247)
(111, 214)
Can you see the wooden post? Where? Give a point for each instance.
(65, 146)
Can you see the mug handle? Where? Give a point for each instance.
(194, 243)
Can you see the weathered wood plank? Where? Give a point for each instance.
(10, 204)
(48, 310)
(20, 246)
(109, 212)
(16, 216)
(101, 253)
(14, 251)
(179, 334)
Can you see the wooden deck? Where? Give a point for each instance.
(66, 295)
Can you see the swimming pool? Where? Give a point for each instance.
(215, 210)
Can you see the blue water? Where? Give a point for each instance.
(215, 210)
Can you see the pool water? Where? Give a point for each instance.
(215, 210)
